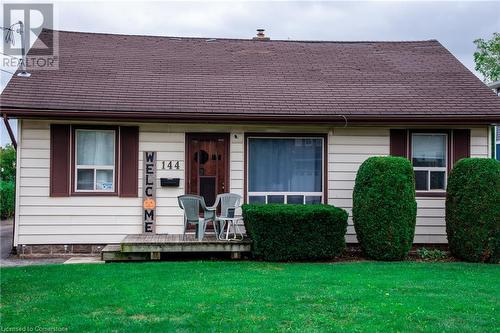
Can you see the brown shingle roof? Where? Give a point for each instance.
(161, 77)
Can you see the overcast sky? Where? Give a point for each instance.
(454, 23)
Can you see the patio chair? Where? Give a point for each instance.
(229, 203)
(191, 205)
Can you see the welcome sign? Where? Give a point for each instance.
(149, 191)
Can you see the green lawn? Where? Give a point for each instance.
(253, 296)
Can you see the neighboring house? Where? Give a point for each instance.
(496, 88)
(497, 143)
(274, 121)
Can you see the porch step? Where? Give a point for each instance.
(84, 260)
(113, 252)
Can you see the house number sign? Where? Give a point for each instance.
(149, 191)
(170, 165)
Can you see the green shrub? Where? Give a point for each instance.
(295, 232)
(7, 199)
(431, 254)
(384, 207)
(473, 210)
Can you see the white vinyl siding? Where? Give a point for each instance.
(348, 148)
(64, 220)
(479, 142)
(236, 164)
(41, 219)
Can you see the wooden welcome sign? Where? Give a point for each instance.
(149, 191)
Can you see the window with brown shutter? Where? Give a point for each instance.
(94, 160)
(446, 148)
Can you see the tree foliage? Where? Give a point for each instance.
(7, 181)
(7, 163)
(487, 57)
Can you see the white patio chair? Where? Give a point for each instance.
(229, 203)
(191, 205)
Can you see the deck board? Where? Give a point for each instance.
(176, 243)
(176, 238)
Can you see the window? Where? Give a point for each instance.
(429, 158)
(95, 160)
(285, 170)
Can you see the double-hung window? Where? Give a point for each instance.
(285, 170)
(95, 160)
(430, 162)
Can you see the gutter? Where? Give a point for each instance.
(193, 117)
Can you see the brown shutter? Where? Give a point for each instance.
(60, 165)
(129, 161)
(399, 142)
(461, 144)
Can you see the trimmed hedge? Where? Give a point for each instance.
(7, 199)
(295, 232)
(384, 207)
(473, 210)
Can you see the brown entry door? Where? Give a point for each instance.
(207, 167)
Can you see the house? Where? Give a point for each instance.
(274, 121)
(496, 88)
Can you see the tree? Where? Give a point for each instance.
(7, 163)
(487, 57)
(7, 181)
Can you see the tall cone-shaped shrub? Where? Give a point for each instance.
(384, 207)
(473, 210)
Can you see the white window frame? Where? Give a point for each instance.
(497, 150)
(429, 169)
(286, 194)
(497, 141)
(95, 167)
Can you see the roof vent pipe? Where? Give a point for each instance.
(22, 32)
(261, 35)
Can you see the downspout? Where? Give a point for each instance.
(14, 144)
(9, 130)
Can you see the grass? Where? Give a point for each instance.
(253, 296)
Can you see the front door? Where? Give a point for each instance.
(207, 165)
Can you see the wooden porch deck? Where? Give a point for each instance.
(150, 247)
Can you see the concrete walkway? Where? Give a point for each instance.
(5, 238)
(6, 260)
